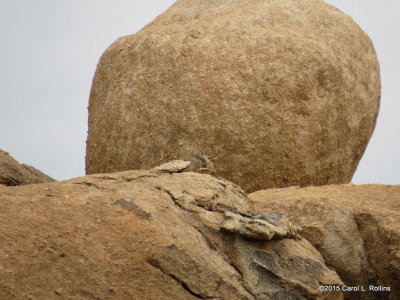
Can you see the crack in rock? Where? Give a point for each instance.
(129, 205)
(89, 184)
(273, 218)
(180, 281)
(130, 179)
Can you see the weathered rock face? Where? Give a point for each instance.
(13, 173)
(274, 93)
(355, 228)
(151, 235)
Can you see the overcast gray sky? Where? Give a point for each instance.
(48, 55)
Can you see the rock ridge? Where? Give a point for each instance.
(151, 233)
(12, 173)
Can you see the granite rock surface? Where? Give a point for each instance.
(273, 93)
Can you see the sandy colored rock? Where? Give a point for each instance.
(174, 166)
(149, 235)
(274, 93)
(262, 268)
(356, 228)
(13, 173)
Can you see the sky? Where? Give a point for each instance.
(50, 49)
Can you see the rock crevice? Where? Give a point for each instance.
(354, 227)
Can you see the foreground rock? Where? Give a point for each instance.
(13, 173)
(151, 235)
(274, 93)
(356, 229)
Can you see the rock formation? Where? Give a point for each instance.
(274, 93)
(13, 173)
(356, 228)
(151, 235)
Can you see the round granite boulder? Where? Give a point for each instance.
(273, 93)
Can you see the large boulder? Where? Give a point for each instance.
(275, 93)
(151, 235)
(12, 173)
(356, 228)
